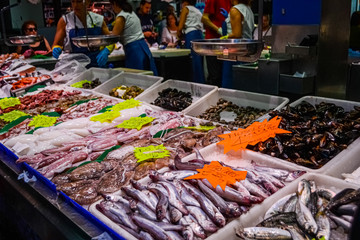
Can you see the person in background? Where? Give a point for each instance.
(163, 23)
(147, 24)
(127, 25)
(30, 28)
(190, 24)
(266, 28)
(169, 33)
(240, 12)
(213, 20)
(354, 41)
(73, 25)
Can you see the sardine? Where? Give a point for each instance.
(263, 233)
(304, 191)
(275, 220)
(150, 227)
(290, 204)
(324, 226)
(304, 218)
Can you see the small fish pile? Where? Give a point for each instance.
(86, 109)
(319, 133)
(125, 92)
(243, 116)
(169, 207)
(94, 83)
(310, 213)
(173, 99)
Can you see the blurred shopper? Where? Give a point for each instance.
(240, 12)
(169, 33)
(213, 20)
(127, 24)
(73, 25)
(147, 23)
(354, 42)
(190, 24)
(30, 28)
(266, 28)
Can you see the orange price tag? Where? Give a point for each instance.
(217, 174)
(256, 132)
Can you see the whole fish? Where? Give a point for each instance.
(191, 165)
(195, 227)
(202, 219)
(218, 201)
(344, 197)
(121, 213)
(324, 225)
(187, 233)
(275, 220)
(143, 210)
(162, 205)
(174, 235)
(185, 196)
(170, 227)
(254, 189)
(278, 173)
(171, 175)
(145, 236)
(140, 196)
(174, 197)
(150, 227)
(304, 191)
(175, 214)
(305, 218)
(263, 233)
(206, 205)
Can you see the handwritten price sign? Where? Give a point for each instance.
(135, 122)
(216, 174)
(256, 132)
(131, 103)
(151, 152)
(9, 102)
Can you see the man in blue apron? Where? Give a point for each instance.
(73, 25)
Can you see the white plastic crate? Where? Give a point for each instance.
(198, 91)
(240, 98)
(257, 213)
(129, 79)
(211, 153)
(93, 73)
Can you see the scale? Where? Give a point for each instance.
(18, 40)
(91, 42)
(243, 50)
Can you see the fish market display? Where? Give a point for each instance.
(167, 205)
(173, 99)
(125, 92)
(240, 116)
(319, 133)
(310, 213)
(86, 84)
(86, 109)
(8, 56)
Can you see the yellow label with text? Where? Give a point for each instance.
(43, 121)
(135, 122)
(151, 152)
(105, 117)
(131, 103)
(9, 102)
(12, 116)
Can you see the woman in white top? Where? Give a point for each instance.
(169, 33)
(190, 23)
(73, 25)
(240, 24)
(127, 24)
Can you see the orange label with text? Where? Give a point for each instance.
(256, 132)
(217, 174)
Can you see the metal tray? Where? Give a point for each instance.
(26, 40)
(229, 49)
(95, 41)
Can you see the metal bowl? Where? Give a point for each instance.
(229, 49)
(95, 41)
(26, 40)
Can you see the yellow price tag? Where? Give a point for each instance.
(201, 128)
(12, 116)
(80, 84)
(42, 121)
(131, 103)
(135, 122)
(9, 102)
(151, 152)
(105, 117)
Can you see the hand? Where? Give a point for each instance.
(225, 37)
(102, 57)
(220, 31)
(147, 34)
(224, 12)
(56, 52)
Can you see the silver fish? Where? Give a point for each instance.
(254, 189)
(150, 227)
(188, 233)
(145, 236)
(123, 216)
(196, 228)
(202, 219)
(175, 214)
(263, 233)
(304, 191)
(162, 205)
(185, 196)
(174, 197)
(140, 196)
(305, 218)
(324, 225)
(290, 204)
